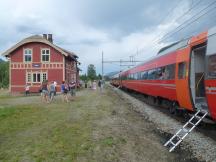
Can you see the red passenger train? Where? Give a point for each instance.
(183, 73)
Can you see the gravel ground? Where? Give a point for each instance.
(201, 147)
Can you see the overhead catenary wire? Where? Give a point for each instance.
(155, 39)
(198, 15)
(187, 22)
(180, 17)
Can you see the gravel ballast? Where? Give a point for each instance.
(202, 147)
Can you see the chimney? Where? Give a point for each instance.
(49, 38)
(45, 36)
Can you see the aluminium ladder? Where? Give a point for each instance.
(176, 139)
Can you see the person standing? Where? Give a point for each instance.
(100, 85)
(55, 84)
(27, 88)
(72, 86)
(52, 91)
(94, 85)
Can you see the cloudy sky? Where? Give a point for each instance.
(119, 28)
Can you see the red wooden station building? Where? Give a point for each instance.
(36, 59)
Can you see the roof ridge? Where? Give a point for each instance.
(41, 39)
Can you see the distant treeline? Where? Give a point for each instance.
(4, 74)
(91, 74)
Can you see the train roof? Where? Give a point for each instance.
(173, 47)
(164, 51)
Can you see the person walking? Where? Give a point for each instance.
(64, 91)
(52, 91)
(45, 91)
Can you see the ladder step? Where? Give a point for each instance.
(191, 123)
(183, 132)
(172, 143)
(179, 136)
(198, 117)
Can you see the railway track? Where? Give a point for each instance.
(207, 129)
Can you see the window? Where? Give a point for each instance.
(139, 76)
(135, 76)
(152, 74)
(159, 73)
(28, 77)
(36, 77)
(212, 66)
(182, 70)
(27, 55)
(144, 75)
(45, 54)
(170, 71)
(44, 76)
(130, 76)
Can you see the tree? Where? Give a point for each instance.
(4, 74)
(99, 76)
(91, 73)
(84, 77)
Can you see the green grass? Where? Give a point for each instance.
(43, 133)
(52, 132)
(109, 141)
(58, 131)
(5, 112)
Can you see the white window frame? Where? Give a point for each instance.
(36, 77)
(42, 49)
(27, 77)
(42, 76)
(24, 54)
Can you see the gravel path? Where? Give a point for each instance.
(202, 147)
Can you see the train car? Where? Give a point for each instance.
(115, 80)
(183, 73)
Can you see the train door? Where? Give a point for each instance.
(182, 79)
(210, 77)
(197, 76)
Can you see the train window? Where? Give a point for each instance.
(135, 76)
(182, 70)
(212, 66)
(139, 75)
(152, 74)
(169, 72)
(159, 74)
(130, 76)
(144, 75)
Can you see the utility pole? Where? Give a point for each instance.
(121, 62)
(102, 67)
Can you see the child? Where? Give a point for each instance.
(27, 88)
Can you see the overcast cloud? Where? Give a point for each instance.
(120, 28)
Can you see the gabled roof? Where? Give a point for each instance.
(40, 39)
